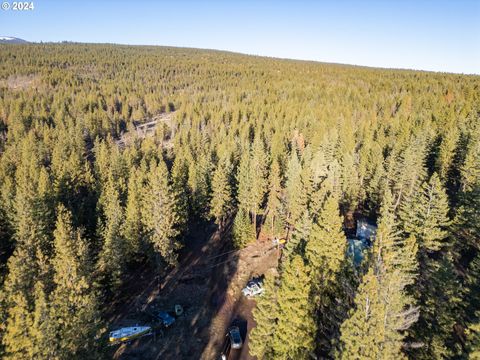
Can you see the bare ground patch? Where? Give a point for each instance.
(21, 82)
(207, 283)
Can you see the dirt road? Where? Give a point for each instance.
(256, 259)
(207, 283)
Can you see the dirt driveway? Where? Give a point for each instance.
(207, 283)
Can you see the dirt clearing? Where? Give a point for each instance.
(21, 82)
(207, 283)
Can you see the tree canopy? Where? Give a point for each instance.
(263, 148)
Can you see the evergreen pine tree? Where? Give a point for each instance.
(17, 301)
(467, 239)
(351, 186)
(112, 257)
(326, 246)
(42, 331)
(325, 252)
(181, 193)
(363, 333)
(383, 308)
(160, 218)
(295, 330)
(132, 229)
(74, 305)
(300, 235)
(16, 339)
(294, 190)
(473, 341)
(406, 169)
(472, 308)
(274, 202)
(265, 315)
(470, 169)
(244, 179)
(199, 183)
(221, 202)
(426, 216)
(243, 231)
(446, 152)
(258, 164)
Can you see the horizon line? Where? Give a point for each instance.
(371, 67)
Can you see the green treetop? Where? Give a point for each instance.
(222, 199)
(160, 217)
(73, 305)
(295, 330)
(265, 315)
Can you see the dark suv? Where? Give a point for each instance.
(235, 337)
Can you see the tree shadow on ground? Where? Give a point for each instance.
(199, 283)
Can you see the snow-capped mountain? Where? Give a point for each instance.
(11, 40)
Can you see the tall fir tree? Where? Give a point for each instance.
(258, 164)
(295, 330)
(265, 316)
(16, 339)
(351, 185)
(470, 169)
(426, 215)
(473, 341)
(362, 334)
(405, 169)
(326, 246)
(244, 178)
(42, 331)
(132, 229)
(74, 307)
(222, 199)
(32, 235)
(466, 230)
(472, 308)
(112, 258)
(325, 252)
(383, 308)
(446, 152)
(160, 218)
(294, 190)
(274, 219)
(199, 183)
(243, 231)
(181, 193)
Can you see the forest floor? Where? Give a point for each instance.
(207, 282)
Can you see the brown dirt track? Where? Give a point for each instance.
(207, 283)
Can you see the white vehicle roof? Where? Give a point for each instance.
(128, 331)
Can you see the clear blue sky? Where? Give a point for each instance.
(423, 34)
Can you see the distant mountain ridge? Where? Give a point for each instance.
(11, 40)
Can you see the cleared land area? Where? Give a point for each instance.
(207, 283)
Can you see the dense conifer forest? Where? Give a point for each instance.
(261, 147)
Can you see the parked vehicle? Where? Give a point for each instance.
(166, 319)
(128, 333)
(254, 287)
(235, 337)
